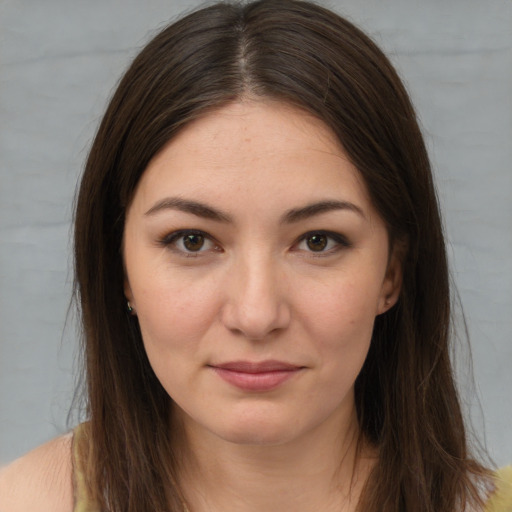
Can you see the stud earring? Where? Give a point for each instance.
(129, 307)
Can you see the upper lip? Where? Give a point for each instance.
(256, 367)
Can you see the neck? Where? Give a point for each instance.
(324, 469)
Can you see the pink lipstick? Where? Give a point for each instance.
(262, 376)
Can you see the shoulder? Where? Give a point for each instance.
(501, 498)
(42, 480)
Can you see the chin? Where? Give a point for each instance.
(256, 438)
(257, 432)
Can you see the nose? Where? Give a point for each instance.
(256, 304)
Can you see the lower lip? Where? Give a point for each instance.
(264, 381)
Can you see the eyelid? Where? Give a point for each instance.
(341, 241)
(169, 240)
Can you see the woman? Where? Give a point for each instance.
(262, 277)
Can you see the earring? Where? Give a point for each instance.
(129, 307)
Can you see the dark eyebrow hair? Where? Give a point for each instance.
(313, 209)
(291, 216)
(188, 206)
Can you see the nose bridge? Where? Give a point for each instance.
(256, 305)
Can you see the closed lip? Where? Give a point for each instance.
(256, 377)
(257, 367)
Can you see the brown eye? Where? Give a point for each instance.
(189, 243)
(317, 242)
(193, 242)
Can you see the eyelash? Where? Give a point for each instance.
(340, 241)
(171, 239)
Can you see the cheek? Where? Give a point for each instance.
(174, 321)
(340, 319)
(343, 302)
(173, 314)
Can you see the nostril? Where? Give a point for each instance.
(256, 322)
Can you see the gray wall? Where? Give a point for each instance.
(59, 60)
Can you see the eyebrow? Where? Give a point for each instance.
(194, 207)
(291, 216)
(318, 208)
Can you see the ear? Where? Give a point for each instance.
(392, 284)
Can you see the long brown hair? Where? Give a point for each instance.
(307, 56)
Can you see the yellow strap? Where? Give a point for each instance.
(83, 503)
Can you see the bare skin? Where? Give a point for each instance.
(40, 481)
(276, 478)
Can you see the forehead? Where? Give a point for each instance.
(267, 152)
(251, 129)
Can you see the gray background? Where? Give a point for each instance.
(60, 59)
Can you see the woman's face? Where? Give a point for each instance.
(256, 265)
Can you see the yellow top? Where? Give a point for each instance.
(500, 500)
(83, 502)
